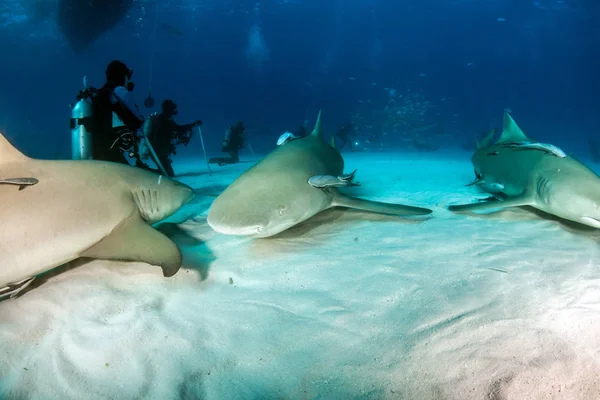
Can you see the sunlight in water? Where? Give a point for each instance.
(257, 50)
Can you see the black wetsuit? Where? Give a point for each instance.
(346, 134)
(166, 134)
(106, 140)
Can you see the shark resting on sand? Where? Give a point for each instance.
(54, 211)
(517, 171)
(295, 181)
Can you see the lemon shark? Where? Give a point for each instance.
(518, 171)
(54, 211)
(296, 181)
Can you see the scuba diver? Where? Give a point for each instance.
(347, 133)
(232, 143)
(165, 134)
(115, 119)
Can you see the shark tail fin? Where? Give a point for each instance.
(318, 129)
(487, 139)
(511, 131)
(8, 152)
(378, 207)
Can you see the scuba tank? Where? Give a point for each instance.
(81, 119)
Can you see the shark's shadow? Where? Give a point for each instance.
(323, 226)
(196, 254)
(531, 213)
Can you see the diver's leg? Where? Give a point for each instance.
(234, 155)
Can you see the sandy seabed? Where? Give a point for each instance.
(345, 306)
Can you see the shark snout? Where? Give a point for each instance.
(231, 218)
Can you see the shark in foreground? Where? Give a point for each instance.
(294, 182)
(520, 172)
(55, 211)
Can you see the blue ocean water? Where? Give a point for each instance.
(440, 70)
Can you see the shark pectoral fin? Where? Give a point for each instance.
(135, 240)
(515, 201)
(378, 207)
(14, 289)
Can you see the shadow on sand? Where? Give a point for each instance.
(531, 213)
(328, 223)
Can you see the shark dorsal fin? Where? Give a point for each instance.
(8, 152)
(511, 131)
(318, 130)
(332, 142)
(487, 139)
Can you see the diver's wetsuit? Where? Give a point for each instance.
(106, 139)
(233, 142)
(347, 134)
(166, 134)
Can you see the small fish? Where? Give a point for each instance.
(21, 182)
(327, 181)
(548, 148)
(286, 137)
